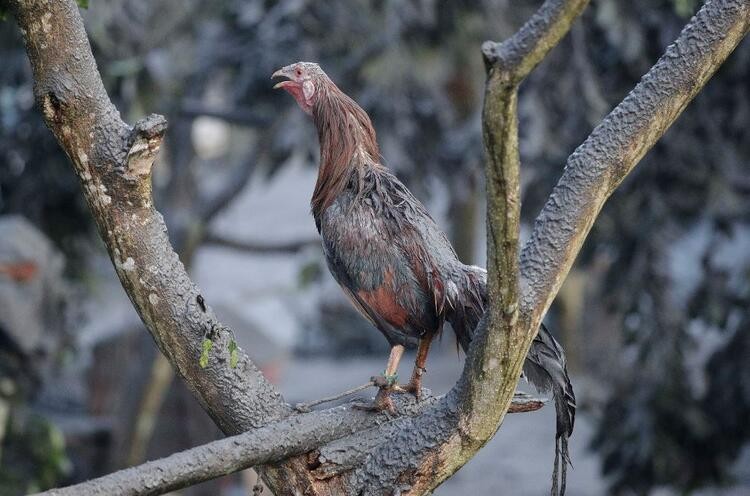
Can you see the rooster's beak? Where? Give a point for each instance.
(281, 73)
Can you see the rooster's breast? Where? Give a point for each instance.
(367, 253)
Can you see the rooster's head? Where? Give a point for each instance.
(303, 81)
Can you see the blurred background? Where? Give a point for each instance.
(654, 316)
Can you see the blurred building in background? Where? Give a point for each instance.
(654, 315)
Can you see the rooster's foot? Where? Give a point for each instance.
(414, 386)
(382, 402)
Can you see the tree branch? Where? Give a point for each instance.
(302, 433)
(256, 247)
(616, 146)
(499, 359)
(222, 457)
(113, 163)
(518, 55)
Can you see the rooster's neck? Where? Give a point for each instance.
(347, 144)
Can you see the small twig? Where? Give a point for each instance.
(305, 407)
(259, 247)
(524, 402)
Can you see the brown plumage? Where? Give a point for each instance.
(389, 256)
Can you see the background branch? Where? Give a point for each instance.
(519, 54)
(258, 247)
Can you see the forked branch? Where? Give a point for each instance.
(519, 54)
(498, 362)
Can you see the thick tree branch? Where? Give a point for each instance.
(499, 360)
(518, 55)
(300, 434)
(614, 148)
(113, 163)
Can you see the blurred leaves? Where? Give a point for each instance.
(685, 8)
(676, 237)
(38, 460)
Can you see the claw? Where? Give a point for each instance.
(410, 388)
(382, 402)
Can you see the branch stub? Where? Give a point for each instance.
(144, 143)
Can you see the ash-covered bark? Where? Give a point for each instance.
(616, 146)
(350, 433)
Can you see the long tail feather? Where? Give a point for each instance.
(545, 366)
(546, 369)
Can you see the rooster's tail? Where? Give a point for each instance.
(545, 366)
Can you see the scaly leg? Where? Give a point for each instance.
(415, 383)
(386, 382)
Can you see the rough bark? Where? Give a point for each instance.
(416, 451)
(299, 434)
(616, 146)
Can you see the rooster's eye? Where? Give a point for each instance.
(299, 72)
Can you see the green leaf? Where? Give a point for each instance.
(234, 354)
(207, 345)
(84, 4)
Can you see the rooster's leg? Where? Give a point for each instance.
(386, 383)
(415, 383)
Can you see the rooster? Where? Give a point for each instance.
(392, 260)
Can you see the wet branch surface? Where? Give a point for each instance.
(426, 445)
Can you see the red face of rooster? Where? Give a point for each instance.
(303, 82)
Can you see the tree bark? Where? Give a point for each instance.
(430, 442)
(260, 446)
(616, 146)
